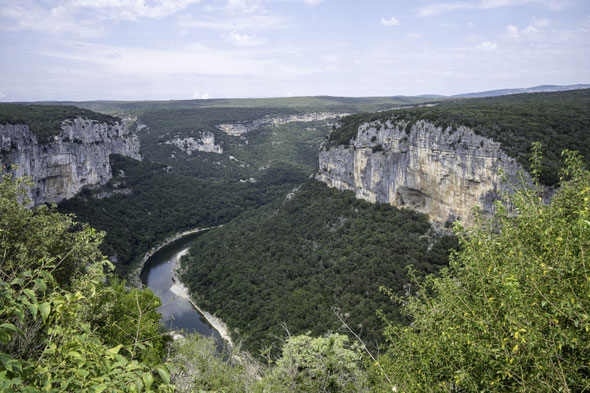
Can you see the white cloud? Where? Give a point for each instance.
(82, 17)
(201, 96)
(533, 31)
(413, 35)
(252, 22)
(132, 9)
(192, 60)
(393, 21)
(235, 15)
(243, 6)
(312, 2)
(487, 46)
(512, 32)
(433, 9)
(245, 39)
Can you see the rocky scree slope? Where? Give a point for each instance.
(75, 157)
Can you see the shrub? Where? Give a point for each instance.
(512, 311)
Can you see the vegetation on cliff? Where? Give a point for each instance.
(45, 120)
(171, 191)
(512, 311)
(558, 120)
(292, 262)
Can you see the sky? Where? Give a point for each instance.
(198, 49)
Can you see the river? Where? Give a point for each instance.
(177, 311)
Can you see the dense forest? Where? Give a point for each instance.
(145, 203)
(291, 262)
(45, 120)
(558, 120)
(511, 313)
(171, 191)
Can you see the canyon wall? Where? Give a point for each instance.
(77, 157)
(443, 173)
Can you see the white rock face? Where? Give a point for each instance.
(237, 129)
(205, 143)
(439, 172)
(77, 157)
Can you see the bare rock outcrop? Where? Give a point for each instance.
(77, 157)
(443, 173)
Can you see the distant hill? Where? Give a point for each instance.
(536, 89)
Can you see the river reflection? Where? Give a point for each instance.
(177, 312)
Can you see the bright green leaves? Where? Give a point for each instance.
(164, 374)
(44, 309)
(511, 312)
(319, 364)
(52, 285)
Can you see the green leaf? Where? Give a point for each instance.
(100, 388)
(148, 380)
(164, 374)
(114, 350)
(44, 309)
(41, 284)
(31, 295)
(33, 308)
(75, 355)
(20, 315)
(10, 326)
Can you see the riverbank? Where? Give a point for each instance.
(180, 290)
(135, 278)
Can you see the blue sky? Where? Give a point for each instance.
(183, 49)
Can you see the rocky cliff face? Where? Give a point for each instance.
(238, 129)
(77, 157)
(205, 143)
(442, 173)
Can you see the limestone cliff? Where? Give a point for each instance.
(239, 129)
(206, 143)
(77, 157)
(444, 173)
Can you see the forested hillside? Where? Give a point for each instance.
(558, 120)
(293, 261)
(172, 190)
(510, 314)
(145, 202)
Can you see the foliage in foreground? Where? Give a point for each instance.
(307, 364)
(56, 334)
(512, 312)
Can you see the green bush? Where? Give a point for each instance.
(512, 312)
(51, 279)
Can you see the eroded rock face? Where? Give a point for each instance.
(239, 129)
(206, 143)
(77, 157)
(442, 173)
